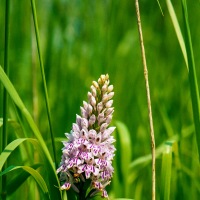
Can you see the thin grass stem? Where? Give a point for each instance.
(5, 95)
(148, 100)
(43, 76)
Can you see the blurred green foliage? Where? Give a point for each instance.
(81, 40)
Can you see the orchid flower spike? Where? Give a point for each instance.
(89, 150)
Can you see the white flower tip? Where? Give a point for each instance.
(93, 101)
(89, 95)
(109, 103)
(104, 88)
(110, 88)
(95, 84)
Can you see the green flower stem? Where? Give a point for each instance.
(43, 77)
(5, 95)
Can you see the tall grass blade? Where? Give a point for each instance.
(16, 143)
(146, 159)
(5, 96)
(8, 150)
(166, 172)
(38, 178)
(15, 97)
(177, 30)
(19, 179)
(194, 90)
(43, 76)
(125, 152)
(187, 50)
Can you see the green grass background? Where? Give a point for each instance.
(80, 40)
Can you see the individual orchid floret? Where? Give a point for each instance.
(89, 151)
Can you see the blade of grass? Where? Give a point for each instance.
(16, 99)
(194, 90)
(19, 133)
(38, 178)
(159, 150)
(43, 77)
(144, 160)
(177, 30)
(125, 152)
(16, 181)
(166, 171)
(16, 143)
(5, 96)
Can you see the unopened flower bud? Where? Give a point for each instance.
(93, 101)
(103, 78)
(99, 107)
(85, 105)
(110, 95)
(75, 127)
(92, 120)
(108, 119)
(107, 77)
(107, 82)
(103, 127)
(105, 98)
(93, 90)
(109, 111)
(100, 118)
(84, 123)
(89, 110)
(99, 81)
(110, 88)
(109, 104)
(108, 132)
(89, 95)
(95, 84)
(83, 112)
(78, 120)
(104, 88)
